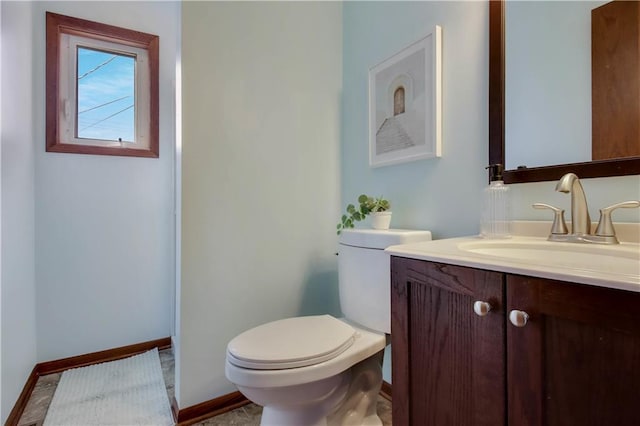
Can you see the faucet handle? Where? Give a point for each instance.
(605, 225)
(559, 226)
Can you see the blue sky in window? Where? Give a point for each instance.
(106, 95)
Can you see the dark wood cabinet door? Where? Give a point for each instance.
(448, 363)
(577, 360)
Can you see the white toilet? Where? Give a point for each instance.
(321, 370)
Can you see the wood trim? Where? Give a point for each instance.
(175, 410)
(56, 366)
(51, 82)
(183, 417)
(23, 399)
(496, 82)
(59, 365)
(592, 169)
(615, 86)
(400, 294)
(204, 410)
(385, 391)
(60, 24)
(104, 150)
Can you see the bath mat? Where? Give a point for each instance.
(129, 392)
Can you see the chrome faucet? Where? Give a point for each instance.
(580, 220)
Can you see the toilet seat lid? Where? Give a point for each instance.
(291, 343)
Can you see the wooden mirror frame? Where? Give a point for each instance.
(590, 169)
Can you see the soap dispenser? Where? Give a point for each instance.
(496, 210)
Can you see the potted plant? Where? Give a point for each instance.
(378, 208)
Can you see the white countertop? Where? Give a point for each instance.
(615, 266)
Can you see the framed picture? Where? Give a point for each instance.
(405, 104)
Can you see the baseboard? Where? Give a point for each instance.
(59, 365)
(183, 417)
(23, 399)
(228, 402)
(385, 390)
(50, 367)
(190, 415)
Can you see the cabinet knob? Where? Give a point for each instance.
(481, 308)
(518, 318)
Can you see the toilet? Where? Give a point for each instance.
(321, 370)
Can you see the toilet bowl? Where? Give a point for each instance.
(330, 385)
(321, 370)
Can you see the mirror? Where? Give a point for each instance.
(499, 145)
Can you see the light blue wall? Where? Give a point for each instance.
(601, 192)
(87, 241)
(18, 319)
(104, 225)
(539, 69)
(260, 175)
(442, 195)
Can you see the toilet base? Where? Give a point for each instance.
(350, 398)
(307, 404)
(360, 405)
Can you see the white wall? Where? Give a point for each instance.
(17, 295)
(260, 181)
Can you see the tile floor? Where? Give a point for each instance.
(248, 415)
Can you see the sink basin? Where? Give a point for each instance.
(619, 259)
(613, 266)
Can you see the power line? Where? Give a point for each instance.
(98, 67)
(104, 104)
(105, 119)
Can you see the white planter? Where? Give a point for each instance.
(380, 220)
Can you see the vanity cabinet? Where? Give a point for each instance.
(576, 360)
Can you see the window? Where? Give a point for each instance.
(105, 114)
(102, 89)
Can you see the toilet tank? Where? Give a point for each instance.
(364, 274)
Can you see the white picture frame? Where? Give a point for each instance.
(405, 104)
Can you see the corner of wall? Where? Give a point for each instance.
(17, 294)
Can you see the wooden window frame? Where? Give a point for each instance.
(60, 24)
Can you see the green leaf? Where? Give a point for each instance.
(366, 206)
